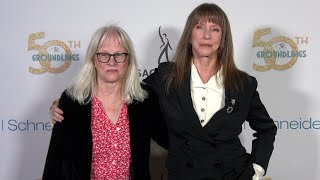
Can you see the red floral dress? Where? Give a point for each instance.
(111, 152)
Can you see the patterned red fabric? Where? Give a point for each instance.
(111, 144)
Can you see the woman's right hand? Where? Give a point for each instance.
(55, 114)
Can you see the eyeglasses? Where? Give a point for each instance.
(118, 57)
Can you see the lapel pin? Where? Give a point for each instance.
(233, 101)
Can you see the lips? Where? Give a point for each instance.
(205, 45)
(112, 70)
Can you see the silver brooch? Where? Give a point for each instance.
(229, 110)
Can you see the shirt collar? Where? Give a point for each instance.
(214, 83)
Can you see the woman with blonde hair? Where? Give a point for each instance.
(106, 129)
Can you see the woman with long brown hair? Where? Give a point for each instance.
(205, 99)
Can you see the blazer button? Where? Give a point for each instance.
(187, 143)
(217, 165)
(189, 164)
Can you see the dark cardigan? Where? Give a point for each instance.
(70, 151)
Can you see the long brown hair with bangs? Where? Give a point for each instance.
(232, 76)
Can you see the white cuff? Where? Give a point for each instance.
(259, 172)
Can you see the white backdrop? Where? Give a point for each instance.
(287, 83)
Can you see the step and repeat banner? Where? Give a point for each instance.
(275, 41)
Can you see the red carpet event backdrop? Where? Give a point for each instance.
(43, 44)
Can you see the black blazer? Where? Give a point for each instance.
(214, 151)
(70, 150)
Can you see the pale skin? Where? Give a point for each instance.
(109, 77)
(205, 40)
(108, 85)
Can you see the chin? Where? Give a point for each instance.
(206, 53)
(112, 79)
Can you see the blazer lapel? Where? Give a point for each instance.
(184, 97)
(231, 102)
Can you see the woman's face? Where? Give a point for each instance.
(205, 39)
(111, 71)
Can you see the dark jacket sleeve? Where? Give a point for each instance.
(260, 121)
(157, 126)
(54, 165)
(157, 80)
(153, 84)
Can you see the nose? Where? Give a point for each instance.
(207, 34)
(112, 61)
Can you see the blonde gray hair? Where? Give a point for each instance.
(83, 84)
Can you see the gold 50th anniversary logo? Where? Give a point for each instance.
(279, 53)
(51, 51)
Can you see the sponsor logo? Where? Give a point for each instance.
(13, 125)
(53, 51)
(294, 124)
(279, 53)
(165, 47)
